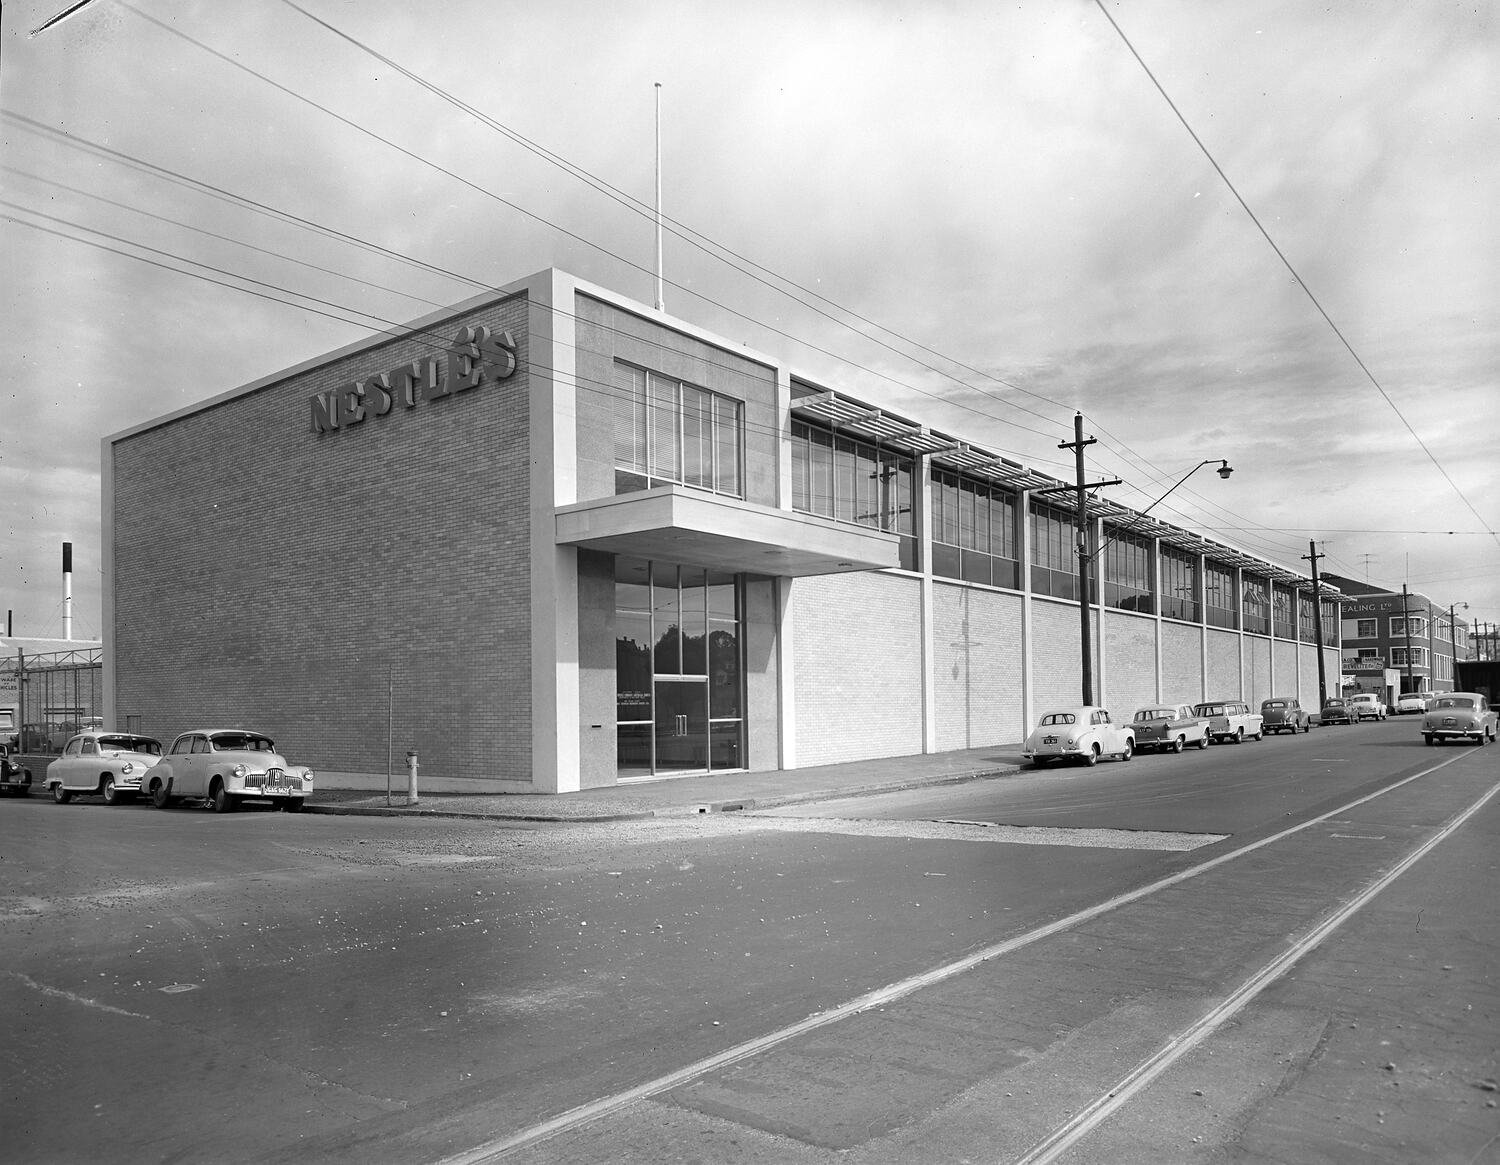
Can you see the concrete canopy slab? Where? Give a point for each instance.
(675, 524)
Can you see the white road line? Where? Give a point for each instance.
(1066, 1136)
(502, 1147)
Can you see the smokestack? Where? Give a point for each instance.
(67, 590)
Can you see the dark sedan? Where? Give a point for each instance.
(1335, 711)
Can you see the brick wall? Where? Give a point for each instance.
(272, 577)
(1130, 670)
(1285, 681)
(1257, 669)
(1056, 658)
(976, 637)
(858, 667)
(1223, 665)
(1181, 663)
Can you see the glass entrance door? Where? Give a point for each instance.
(677, 669)
(681, 725)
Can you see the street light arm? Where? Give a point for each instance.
(1224, 471)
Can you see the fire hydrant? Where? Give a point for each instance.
(411, 776)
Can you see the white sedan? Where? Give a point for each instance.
(1084, 733)
(226, 766)
(103, 764)
(1417, 702)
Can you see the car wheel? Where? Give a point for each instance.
(61, 795)
(1306, 728)
(1479, 738)
(108, 791)
(219, 798)
(1239, 735)
(1129, 750)
(1179, 744)
(1091, 758)
(1258, 734)
(1202, 742)
(1427, 737)
(159, 796)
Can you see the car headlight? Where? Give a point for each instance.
(307, 774)
(126, 769)
(239, 771)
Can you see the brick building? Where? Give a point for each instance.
(1395, 642)
(553, 539)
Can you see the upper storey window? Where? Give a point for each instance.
(849, 480)
(667, 431)
(974, 530)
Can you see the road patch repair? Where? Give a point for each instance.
(957, 829)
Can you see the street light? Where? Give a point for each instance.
(1224, 470)
(1085, 605)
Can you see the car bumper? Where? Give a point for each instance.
(256, 785)
(1052, 752)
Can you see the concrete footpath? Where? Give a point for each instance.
(363, 793)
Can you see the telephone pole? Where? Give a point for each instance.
(1406, 624)
(1085, 602)
(1312, 556)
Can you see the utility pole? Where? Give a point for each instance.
(1312, 556)
(1085, 604)
(1406, 626)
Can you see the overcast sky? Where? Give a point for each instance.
(984, 216)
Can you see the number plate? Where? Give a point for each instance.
(1049, 740)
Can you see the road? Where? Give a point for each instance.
(268, 987)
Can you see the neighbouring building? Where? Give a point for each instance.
(1396, 643)
(553, 538)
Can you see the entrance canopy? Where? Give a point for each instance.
(675, 524)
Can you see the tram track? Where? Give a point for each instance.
(691, 1087)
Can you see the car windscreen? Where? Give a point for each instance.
(132, 744)
(241, 742)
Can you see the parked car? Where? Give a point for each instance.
(1417, 702)
(14, 776)
(1366, 706)
(1169, 727)
(1459, 716)
(1335, 711)
(102, 764)
(1083, 733)
(1230, 720)
(226, 766)
(1284, 714)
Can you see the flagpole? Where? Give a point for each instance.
(660, 301)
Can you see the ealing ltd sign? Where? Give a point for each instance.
(477, 355)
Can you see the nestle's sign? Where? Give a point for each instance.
(476, 355)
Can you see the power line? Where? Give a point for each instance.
(1287, 263)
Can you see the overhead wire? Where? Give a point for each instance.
(946, 400)
(718, 251)
(1296, 276)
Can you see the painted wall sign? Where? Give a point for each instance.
(476, 356)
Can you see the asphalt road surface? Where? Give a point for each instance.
(1278, 951)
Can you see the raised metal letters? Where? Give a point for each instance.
(477, 355)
